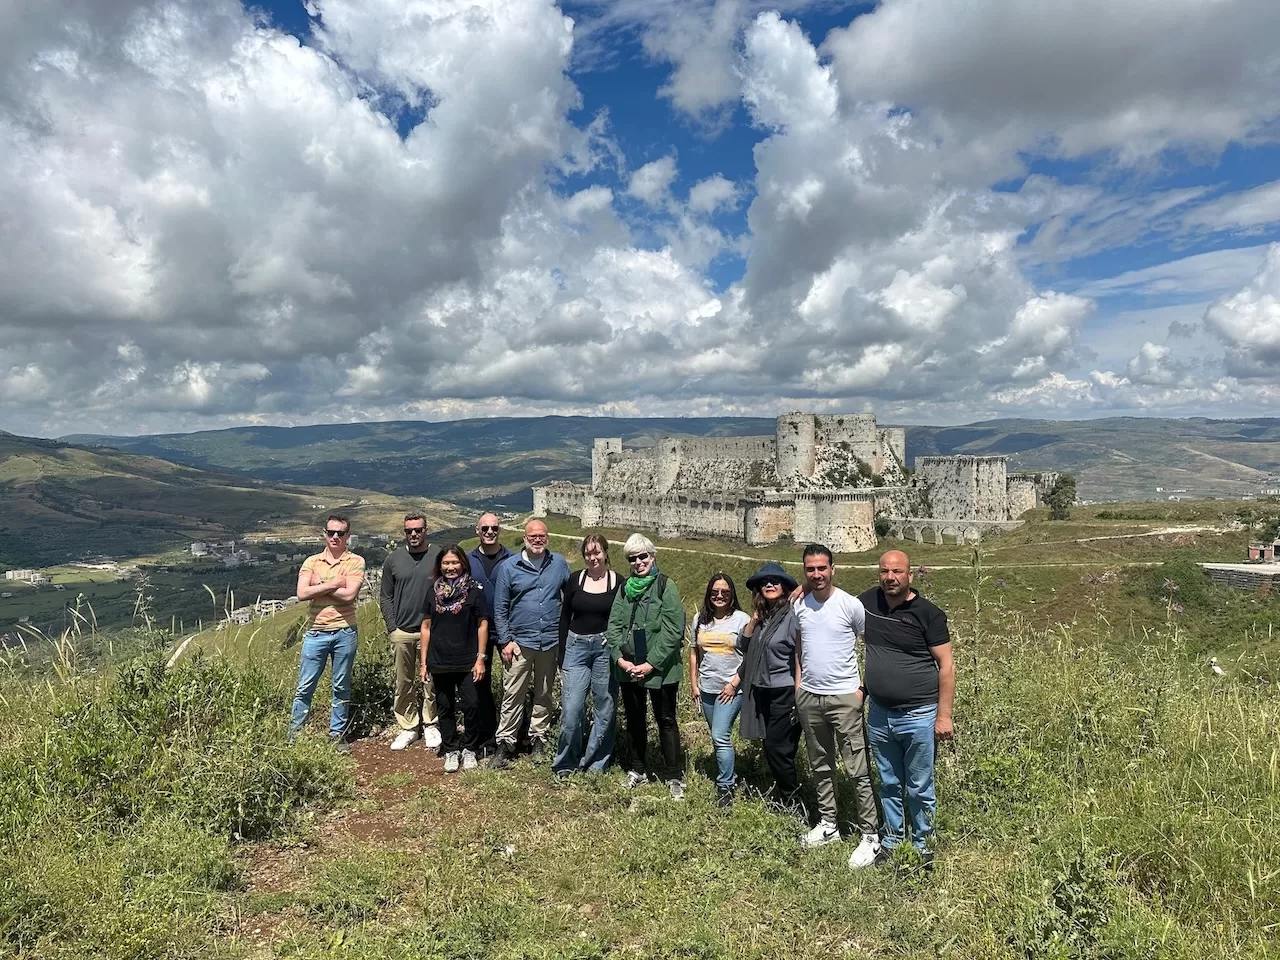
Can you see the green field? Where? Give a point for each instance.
(1108, 795)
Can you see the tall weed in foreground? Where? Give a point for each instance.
(120, 800)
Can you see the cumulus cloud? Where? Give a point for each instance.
(1248, 321)
(204, 221)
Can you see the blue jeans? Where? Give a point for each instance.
(317, 647)
(720, 718)
(586, 669)
(902, 742)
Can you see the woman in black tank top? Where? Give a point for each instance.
(584, 659)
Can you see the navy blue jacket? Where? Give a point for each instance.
(478, 574)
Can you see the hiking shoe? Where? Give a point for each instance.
(403, 739)
(431, 737)
(562, 776)
(677, 789)
(724, 797)
(452, 761)
(864, 854)
(927, 857)
(634, 779)
(340, 745)
(825, 832)
(502, 758)
(469, 760)
(537, 750)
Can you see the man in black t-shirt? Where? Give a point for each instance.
(910, 682)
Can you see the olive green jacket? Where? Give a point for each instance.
(663, 623)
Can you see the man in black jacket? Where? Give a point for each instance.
(406, 588)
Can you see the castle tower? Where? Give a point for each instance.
(846, 523)
(601, 447)
(668, 451)
(796, 446)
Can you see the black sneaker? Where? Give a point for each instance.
(341, 746)
(502, 758)
(883, 855)
(927, 857)
(724, 797)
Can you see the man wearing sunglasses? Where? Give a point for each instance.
(526, 611)
(485, 559)
(406, 585)
(329, 581)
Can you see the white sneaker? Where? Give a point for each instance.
(677, 789)
(451, 762)
(431, 738)
(634, 779)
(469, 761)
(864, 855)
(825, 832)
(403, 739)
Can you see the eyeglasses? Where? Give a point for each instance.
(720, 593)
(415, 531)
(493, 529)
(638, 557)
(335, 533)
(536, 537)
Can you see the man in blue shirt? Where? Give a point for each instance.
(526, 612)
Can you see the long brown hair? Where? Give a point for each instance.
(707, 614)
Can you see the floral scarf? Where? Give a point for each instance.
(452, 594)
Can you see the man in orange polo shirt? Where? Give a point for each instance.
(330, 581)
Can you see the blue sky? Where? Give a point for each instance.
(370, 209)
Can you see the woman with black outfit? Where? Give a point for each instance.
(455, 636)
(768, 643)
(585, 664)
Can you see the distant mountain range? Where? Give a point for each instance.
(494, 462)
(61, 502)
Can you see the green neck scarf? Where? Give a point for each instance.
(635, 586)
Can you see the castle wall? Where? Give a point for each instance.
(765, 523)
(1022, 495)
(561, 498)
(893, 440)
(846, 525)
(743, 448)
(856, 431)
(971, 488)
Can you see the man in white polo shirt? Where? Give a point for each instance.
(829, 702)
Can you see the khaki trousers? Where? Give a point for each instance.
(415, 701)
(834, 723)
(529, 668)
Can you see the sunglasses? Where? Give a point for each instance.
(335, 533)
(412, 531)
(638, 557)
(720, 593)
(771, 582)
(493, 529)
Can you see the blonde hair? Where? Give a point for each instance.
(638, 543)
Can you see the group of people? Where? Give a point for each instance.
(784, 667)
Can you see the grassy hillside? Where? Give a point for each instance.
(494, 461)
(60, 502)
(1108, 797)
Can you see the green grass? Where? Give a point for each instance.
(1107, 797)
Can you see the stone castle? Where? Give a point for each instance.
(819, 478)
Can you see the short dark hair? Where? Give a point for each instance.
(707, 614)
(817, 550)
(458, 552)
(341, 519)
(414, 516)
(599, 540)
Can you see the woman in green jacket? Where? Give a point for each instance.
(646, 626)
